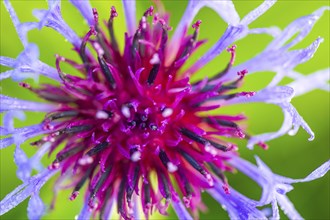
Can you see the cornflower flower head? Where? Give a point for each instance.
(136, 130)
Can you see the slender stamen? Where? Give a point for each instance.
(113, 14)
(130, 189)
(201, 140)
(75, 129)
(106, 71)
(191, 43)
(80, 184)
(82, 50)
(165, 185)
(232, 51)
(120, 198)
(153, 74)
(96, 149)
(65, 114)
(193, 162)
(61, 156)
(100, 182)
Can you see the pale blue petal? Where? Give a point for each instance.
(6, 75)
(256, 13)
(237, 205)
(7, 61)
(85, 212)
(20, 29)
(276, 212)
(307, 83)
(9, 103)
(287, 207)
(108, 209)
(262, 179)
(278, 60)
(52, 18)
(85, 9)
(130, 15)
(281, 96)
(36, 208)
(225, 9)
(180, 210)
(19, 135)
(302, 26)
(25, 190)
(25, 164)
(23, 167)
(232, 34)
(272, 31)
(316, 174)
(274, 95)
(28, 65)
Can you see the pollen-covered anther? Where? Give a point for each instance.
(171, 167)
(25, 85)
(113, 12)
(187, 200)
(136, 156)
(85, 160)
(155, 59)
(126, 111)
(209, 179)
(242, 73)
(74, 195)
(263, 145)
(54, 165)
(149, 11)
(167, 112)
(101, 115)
(208, 148)
(196, 24)
(96, 16)
(246, 94)
(232, 51)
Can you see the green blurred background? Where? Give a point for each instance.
(290, 156)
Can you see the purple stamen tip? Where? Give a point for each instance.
(196, 24)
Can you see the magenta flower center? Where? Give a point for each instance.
(131, 125)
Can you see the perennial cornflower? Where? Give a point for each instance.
(132, 133)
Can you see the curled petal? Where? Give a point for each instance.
(21, 160)
(85, 9)
(316, 174)
(8, 120)
(280, 95)
(23, 191)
